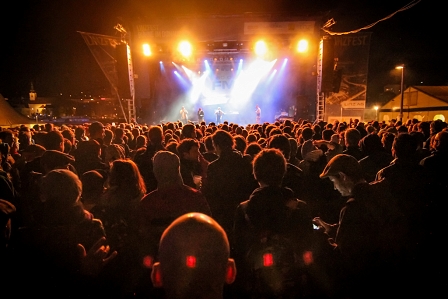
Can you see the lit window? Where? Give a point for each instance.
(439, 116)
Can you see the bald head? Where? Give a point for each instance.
(194, 257)
(166, 167)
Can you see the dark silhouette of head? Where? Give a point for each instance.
(269, 167)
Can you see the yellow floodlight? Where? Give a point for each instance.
(147, 50)
(261, 48)
(302, 46)
(185, 49)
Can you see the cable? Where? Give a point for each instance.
(331, 22)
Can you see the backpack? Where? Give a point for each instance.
(273, 265)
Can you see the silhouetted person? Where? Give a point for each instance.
(171, 199)
(229, 180)
(144, 159)
(272, 213)
(367, 237)
(375, 156)
(352, 138)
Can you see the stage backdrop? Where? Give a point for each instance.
(222, 37)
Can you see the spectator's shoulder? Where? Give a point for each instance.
(293, 168)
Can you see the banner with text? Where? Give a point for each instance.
(102, 48)
(351, 54)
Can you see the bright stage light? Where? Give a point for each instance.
(147, 50)
(260, 48)
(302, 46)
(185, 49)
(246, 82)
(162, 67)
(240, 67)
(198, 86)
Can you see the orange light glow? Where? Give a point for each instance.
(261, 48)
(302, 46)
(147, 50)
(185, 49)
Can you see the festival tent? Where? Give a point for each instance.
(424, 103)
(10, 117)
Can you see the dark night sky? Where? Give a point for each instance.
(41, 43)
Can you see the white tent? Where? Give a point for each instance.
(424, 103)
(10, 117)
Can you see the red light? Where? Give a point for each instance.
(268, 260)
(190, 261)
(308, 257)
(148, 261)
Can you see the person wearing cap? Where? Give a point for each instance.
(365, 234)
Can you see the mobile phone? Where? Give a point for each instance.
(316, 226)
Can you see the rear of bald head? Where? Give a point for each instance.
(194, 257)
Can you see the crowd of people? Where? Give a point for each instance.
(289, 209)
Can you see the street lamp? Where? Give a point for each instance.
(376, 112)
(401, 67)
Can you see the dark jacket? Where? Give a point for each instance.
(187, 170)
(354, 151)
(274, 220)
(273, 209)
(369, 240)
(48, 255)
(144, 164)
(373, 163)
(229, 182)
(84, 164)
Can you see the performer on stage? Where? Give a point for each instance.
(183, 115)
(200, 115)
(219, 113)
(258, 114)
